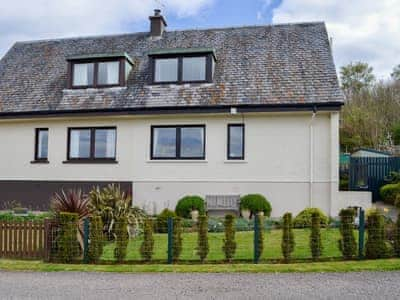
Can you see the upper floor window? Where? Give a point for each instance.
(236, 141)
(41, 144)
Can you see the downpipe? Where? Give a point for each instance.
(311, 158)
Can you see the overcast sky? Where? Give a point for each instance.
(362, 30)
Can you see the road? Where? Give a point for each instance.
(75, 285)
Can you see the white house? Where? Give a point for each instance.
(166, 114)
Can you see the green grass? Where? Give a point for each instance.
(340, 266)
(272, 246)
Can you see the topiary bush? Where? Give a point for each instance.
(396, 244)
(376, 246)
(229, 246)
(177, 239)
(162, 220)
(288, 243)
(347, 243)
(147, 247)
(255, 203)
(304, 218)
(389, 192)
(260, 237)
(315, 236)
(68, 247)
(121, 239)
(188, 203)
(96, 239)
(202, 239)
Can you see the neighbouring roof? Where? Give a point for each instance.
(286, 64)
(366, 152)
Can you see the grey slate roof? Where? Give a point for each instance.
(276, 64)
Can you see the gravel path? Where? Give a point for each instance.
(73, 285)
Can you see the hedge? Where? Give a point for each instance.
(68, 247)
(389, 192)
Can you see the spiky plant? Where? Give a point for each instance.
(71, 201)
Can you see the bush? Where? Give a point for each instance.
(396, 244)
(376, 246)
(202, 240)
(9, 216)
(396, 134)
(68, 247)
(315, 236)
(215, 224)
(229, 246)
(147, 247)
(255, 203)
(260, 237)
(288, 242)
(177, 239)
(188, 203)
(389, 192)
(121, 238)
(96, 240)
(71, 201)
(347, 243)
(162, 220)
(304, 218)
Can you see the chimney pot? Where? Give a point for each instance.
(157, 24)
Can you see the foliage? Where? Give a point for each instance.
(304, 218)
(229, 246)
(71, 201)
(396, 133)
(67, 242)
(396, 73)
(188, 203)
(121, 238)
(356, 76)
(376, 246)
(315, 236)
(255, 203)
(9, 216)
(147, 247)
(389, 192)
(162, 220)
(396, 244)
(96, 239)
(288, 243)
(260, 237)
(202, 240)
(347, 243)
(177, 239)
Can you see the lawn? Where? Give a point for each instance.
(272, 246)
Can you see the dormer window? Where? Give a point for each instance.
(182, 65)
(98, 71)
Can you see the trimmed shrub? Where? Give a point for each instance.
(147, 247)
(121, 238)
(347, 243)
(162, 220)
(396, 134)
(260, 238)
(229, 246)
(396, 244)
(188, 203)
(376, 246)
(315, 236)
(96, 239)
(304, 218)
(177, 239)
(389, 192)
(202, 240)
(288, 242)
(256, 203)
(68, 247)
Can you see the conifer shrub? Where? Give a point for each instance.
(229, 246)
(202, 240)
(162, 220)
(186, 204)
(121, 239)
(147, 247)
(288, 242)
(304, 218)
(260, 237)
(96, 239)
(177, 239)
(396, 244)
(347, 242)
(68, 247)
(376, 245)
(315, 236)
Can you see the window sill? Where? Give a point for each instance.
(235, 161)
(180, 161)
(90, 161)
(40, 162)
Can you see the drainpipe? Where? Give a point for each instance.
(312, 155)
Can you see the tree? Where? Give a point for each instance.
(355, 77)
(396, 73)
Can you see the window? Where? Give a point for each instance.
(91, 143)
(108, 73)
(194, 68)
(178, 142)
(166, 70)
(83, 74)
(236, 141)
(41, 145)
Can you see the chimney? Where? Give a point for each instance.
(157, 24)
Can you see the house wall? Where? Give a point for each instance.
(277, 158)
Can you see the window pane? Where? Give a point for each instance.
(166, 70)
(194, 68)
(108, 72)
(79, 143)
(104, 143)
(192, 142)
(42, 150)
(164, 142)
(236, 141)
(83, 74)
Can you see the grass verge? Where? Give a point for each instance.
(341, 266)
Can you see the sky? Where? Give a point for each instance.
(361, 30)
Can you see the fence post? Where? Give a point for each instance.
(86, 240)
(361, 233)
(170, 239)
(256, 239)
